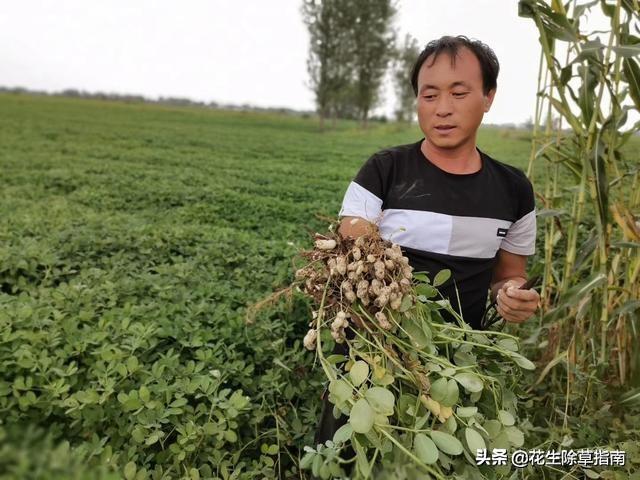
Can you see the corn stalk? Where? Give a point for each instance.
(591, 198)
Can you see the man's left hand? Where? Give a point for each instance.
(516, 305)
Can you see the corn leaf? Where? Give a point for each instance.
(631, 71)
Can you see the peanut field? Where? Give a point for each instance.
(133, 239)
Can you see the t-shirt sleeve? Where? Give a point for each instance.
(365, 195)
(521, 236)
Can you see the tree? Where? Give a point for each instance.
(373, 46)
(405, 58)
(351, 44)
(328, 62)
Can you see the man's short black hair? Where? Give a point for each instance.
(450, 45)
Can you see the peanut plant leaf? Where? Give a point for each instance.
(446, 442)
(452, 393)
(362, 416)
(516, 437)
(469, 381)
(130, 471)
(441, 277)
(417, 334)
(359, 372)
(522, 361)
(508, 344)
(474, 440)
(340, 390)
(506, 418)
(465, 412)
(438, 389)
(425, 449)
(343, 434)
(381, 400)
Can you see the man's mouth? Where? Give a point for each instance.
(445, 128)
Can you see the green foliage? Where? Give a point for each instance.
(132, 238)
(591, 259)
(417, 406)
(351, 45)
(404, 58)
(588, 333)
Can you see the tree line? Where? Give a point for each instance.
(167, 101)
(353, 46)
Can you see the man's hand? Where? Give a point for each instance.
(509, 274)
(353, 227)
(516, 305)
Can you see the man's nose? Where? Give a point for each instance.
(444, 106)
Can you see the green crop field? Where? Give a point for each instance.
(132, 239)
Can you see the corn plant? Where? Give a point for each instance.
(589, 91)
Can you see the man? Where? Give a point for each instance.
(446, 203)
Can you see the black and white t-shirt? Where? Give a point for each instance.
(444, 220)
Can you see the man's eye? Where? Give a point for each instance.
(428, 97)
(460, 94)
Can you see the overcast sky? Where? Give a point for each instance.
(240, 51)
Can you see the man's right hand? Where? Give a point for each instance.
(353, 227)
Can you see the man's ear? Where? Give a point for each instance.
(488, 99)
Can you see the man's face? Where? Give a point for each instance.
(450, 100)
